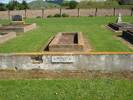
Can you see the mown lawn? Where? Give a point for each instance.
(97, 89)
(93, 28)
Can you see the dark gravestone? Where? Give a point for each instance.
(17, 18)
(128, 35)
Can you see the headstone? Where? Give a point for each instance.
(17, 18)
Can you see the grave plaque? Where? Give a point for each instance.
(17, 18)
(62, 59)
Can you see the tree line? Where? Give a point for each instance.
(14, 5)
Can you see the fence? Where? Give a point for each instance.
(43, 13)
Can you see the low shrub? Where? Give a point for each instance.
(49, 16)
(65, 15)
(57, 15)
(38, 17)
(73, 4)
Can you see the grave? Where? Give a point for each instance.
(120, 26)
(17, 25)
(128, 35)
(5, 36)
(65, 42)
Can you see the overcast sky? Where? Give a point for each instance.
(6, 1)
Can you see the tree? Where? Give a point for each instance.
(14, 5)
(2, 7)
(73, 4)
(24, 5)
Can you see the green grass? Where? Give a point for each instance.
(93, 28)
(97, 89)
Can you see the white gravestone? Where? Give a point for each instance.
(119, 19)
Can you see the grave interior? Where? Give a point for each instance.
(68, 38)
(65, 42)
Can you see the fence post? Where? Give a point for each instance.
(25, 14)
(114, 12)
(43, 13)
(131, 11)
(60, 12)
(9, 14)
(78, 12)
(96, 12)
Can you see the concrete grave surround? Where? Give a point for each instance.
(5, 36)
(67, 41)
(119, 27)
(111, 62)
(18, 27)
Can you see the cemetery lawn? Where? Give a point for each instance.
(64, 89)
(100, 38)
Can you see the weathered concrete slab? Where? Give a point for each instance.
(98, 62)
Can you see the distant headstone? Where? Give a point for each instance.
(17, 18)
(119, 19)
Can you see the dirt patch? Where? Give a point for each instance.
(41, 74)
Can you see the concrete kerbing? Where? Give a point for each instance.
(111, 29)
(66, 53)
(75, 61)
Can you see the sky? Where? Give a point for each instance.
(6, 1)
